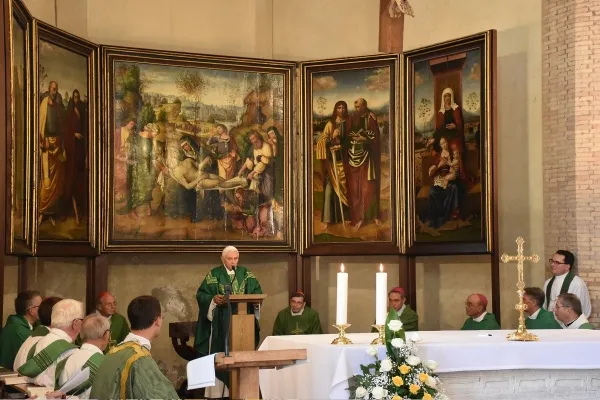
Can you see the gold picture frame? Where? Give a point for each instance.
(449, 140)
(65, 153)
(198, 152)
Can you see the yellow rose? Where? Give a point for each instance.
(423, 377)
(396, 397)
(414, 389)
(404, 369)
(397, 381)
(427, 396)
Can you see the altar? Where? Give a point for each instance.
(473, 365)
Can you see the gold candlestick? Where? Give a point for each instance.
(521, 334)
(380, 339)
(342, 339)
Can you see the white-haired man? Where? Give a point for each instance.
(95, 334)
(57, 345)
(213, 317)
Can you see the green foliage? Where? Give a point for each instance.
(162, 116)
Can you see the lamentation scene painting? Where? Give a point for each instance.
(197, 154)
(63, 131)
(447, 125)
(352, 134)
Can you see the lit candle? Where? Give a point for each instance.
(380, 296)
(341, 315)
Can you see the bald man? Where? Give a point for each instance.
(479, 319)
(106, 306)
(213, 314)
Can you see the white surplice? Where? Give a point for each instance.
(75, 363)
(577, 287)
(47, 377)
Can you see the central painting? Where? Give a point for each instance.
(198, 152)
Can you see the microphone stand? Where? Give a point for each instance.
(227, 294)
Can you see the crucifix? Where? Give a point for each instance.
(521, 334)
(391, 24)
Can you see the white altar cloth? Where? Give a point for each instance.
(329, 366)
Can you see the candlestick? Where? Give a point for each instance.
(380, 297)
(341, 315)
(342, 339)
(380, 339)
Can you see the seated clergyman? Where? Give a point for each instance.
(45, 314)
(95, 334)
(399, 310)
(57, 345)
(568, 312)
(297, 319)
(537, 316)
(479, 319)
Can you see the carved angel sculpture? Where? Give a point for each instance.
(399, 7)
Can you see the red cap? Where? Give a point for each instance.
(397, 289)
(101, 295)
(483, 299)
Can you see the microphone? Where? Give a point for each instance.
(227, 289)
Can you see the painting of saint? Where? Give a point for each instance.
(447, 125)
(352, 114)
(198, 154)
(63, 125)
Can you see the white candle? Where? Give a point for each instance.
(380, 296)
(341, 315)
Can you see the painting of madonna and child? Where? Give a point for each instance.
(199, 154)
(447, 117)
(352, 116)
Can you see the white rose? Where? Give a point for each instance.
(386, 365)
(395, 325)
(361, 392)
(415, 337)
(372, 351)
(431, 382)
(413, 361)
(432, 365)
(378, 392)
(397, 343)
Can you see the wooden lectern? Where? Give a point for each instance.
(242, 323)
(242, 336)
(244, 366)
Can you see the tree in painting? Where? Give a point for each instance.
(198, 154)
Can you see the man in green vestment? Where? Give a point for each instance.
(297, 319)
(128, 371)
(45, 356)
(18, 326)
(106, 305)
(568, 312)
(400, 311)
(537, 316)
(45, 315)
(213, 316)
(565, 281)
(95, 333)
(479, 319)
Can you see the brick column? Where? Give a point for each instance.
(571, 137)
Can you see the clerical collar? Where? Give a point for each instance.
(142, 341)
(571, 323)
(399, 312)
(480, 318)
(61, 334)
(229, 271)
(298, 313)
(535, 314)
(561, 277)
(91, 348)
(100, 314)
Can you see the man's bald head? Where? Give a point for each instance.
(106, 304)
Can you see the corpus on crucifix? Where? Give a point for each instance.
(521, 334)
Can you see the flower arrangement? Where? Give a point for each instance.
(401, 375)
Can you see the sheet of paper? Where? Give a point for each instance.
(14, 380)
(77, 380)
(201, 372)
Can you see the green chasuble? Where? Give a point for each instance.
(587, 325)
(488, 323)
(119, 328)
(40, 331)
(129, 372)
(15, 332)
(306, 324)
(244, 283)
(544, 320)
(36, 364)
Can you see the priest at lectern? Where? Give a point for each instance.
(213, 317)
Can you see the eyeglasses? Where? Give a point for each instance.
(561, 306)
(554, 262)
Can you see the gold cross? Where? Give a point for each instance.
(297, 331)
(521, 334)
